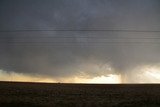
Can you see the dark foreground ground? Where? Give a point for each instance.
(14, 94)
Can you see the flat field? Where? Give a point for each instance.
(19, 94)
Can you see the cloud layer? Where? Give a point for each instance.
(77, 53)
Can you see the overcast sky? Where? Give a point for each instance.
(65, 38)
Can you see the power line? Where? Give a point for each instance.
(83, 46)
(77, 43)
(72, 37)
(79, 30)
(85, 38)
(83, 42)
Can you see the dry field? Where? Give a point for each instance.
(16, 94)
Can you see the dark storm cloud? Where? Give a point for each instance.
(49, 53)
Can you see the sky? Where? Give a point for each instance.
(80, 41)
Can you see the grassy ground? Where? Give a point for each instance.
(14, 94)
